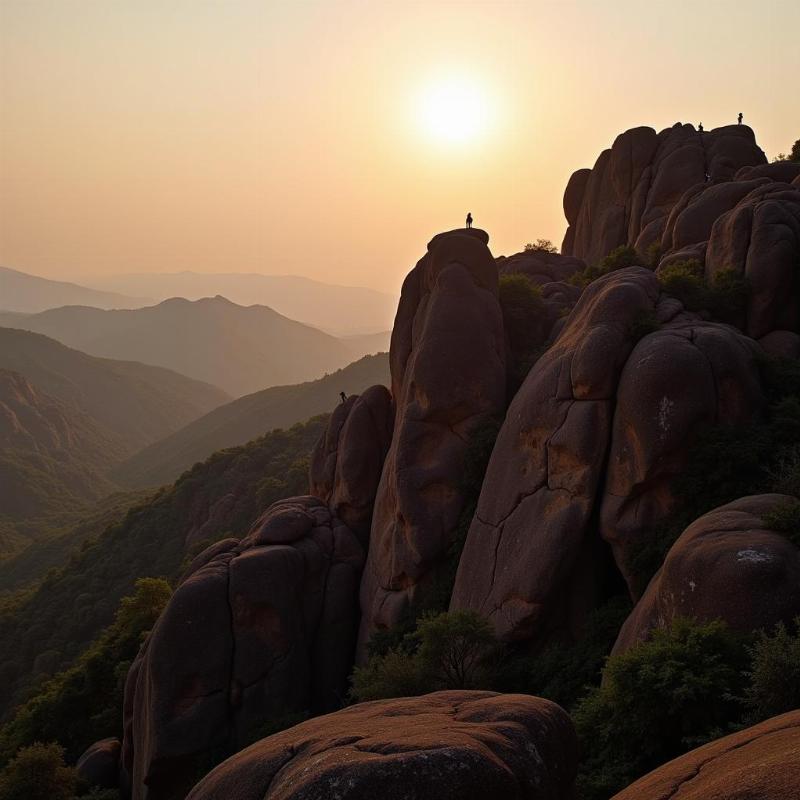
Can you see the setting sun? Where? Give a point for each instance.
(453, 110)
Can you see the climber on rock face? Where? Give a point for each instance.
(469, 219)
(343, 396)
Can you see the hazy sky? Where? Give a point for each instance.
(303, 137)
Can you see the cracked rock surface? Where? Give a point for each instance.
(532, 527)
(726, 565)
(759, 763)
(457, 745)
(448, 375)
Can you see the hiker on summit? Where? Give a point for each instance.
(469, 219)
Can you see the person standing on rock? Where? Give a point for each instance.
(740, 117)
(343, 396)
(469, 219)
(700, 127)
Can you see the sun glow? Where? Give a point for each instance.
(454, 110)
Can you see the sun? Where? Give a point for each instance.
(453, 110)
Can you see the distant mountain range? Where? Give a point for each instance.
(247, 418)
(239, 348)
(340, 310)
(135, 404)
(66, 419)
(30, 294)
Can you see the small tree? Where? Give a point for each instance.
(541, 246)
(795, 154)
(452, 650)
(774, 674)
(657, 699)
(38, 772)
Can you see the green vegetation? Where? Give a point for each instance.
(724, 298)
(541, 246)
(53, 624)
(619, 258)
(84, 703)
(38, 773)
(794, 155)
(446, 651)
(774, 674)
(786, 520)
(657, 700)
(525, 324)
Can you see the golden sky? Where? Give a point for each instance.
(297, 137)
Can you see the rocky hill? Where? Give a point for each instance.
(247, 418)
(581, 491)
(242, 349)
(134, 403)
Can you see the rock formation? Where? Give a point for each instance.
(726, 565)
(99, 765)
(760, 762)
(346, 463)
(465, 745)
(759, 238)
(687, 375)
(448, 375)
(532, 526)
(627, 197)
(259, 628)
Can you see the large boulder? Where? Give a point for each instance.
(448, 376)
(726, 565)
(531, 552)
(442, 746)
(347, 460)
(632, 188)
(688, 375)
(759, 763)
(99, 765)
(258, 628)
(759, 238)
(540, 266)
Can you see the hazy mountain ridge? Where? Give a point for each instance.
(246, 418)
(239, 348)
(29, 294)
(341, 310)
(137, 402)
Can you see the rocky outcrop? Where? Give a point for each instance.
(99, 765)
(726, 565)
(531, 536)
(540, 266)
(760, 762)
(448, 376)
(678, 379)
(259, 628)
(630, 192)
(347, 461)
(590, 447)
(759, 238)
(465, 745)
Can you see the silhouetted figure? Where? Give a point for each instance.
(740, 117)
(343, 396)
(700, 127)
(469, 219)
